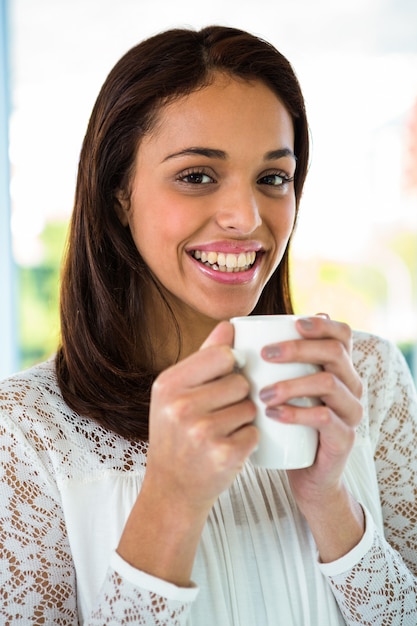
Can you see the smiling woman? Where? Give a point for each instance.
(232, 196)
(126, 461)
(160, 209)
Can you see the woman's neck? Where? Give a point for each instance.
(174, 334)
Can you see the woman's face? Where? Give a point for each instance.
(212, 202)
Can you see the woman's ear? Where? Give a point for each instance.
(122, 207)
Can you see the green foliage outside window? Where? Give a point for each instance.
(38, 298)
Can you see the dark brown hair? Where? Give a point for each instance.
(103, 326)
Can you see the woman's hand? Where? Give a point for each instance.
(200, 433)
(201, 423)
(319, 489)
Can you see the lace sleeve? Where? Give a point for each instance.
(151, 603)
(37, 573)
(37, 580)
(123, 603)
(382, 587)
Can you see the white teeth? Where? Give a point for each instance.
(231, 261)
(241, 260)
(226, 262)
(221, 259)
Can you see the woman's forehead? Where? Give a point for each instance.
(226, 106)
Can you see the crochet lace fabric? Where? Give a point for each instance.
(122, 605)
(365, 602)
(382, 589)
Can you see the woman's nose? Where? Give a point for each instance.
(238, 211)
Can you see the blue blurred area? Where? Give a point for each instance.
(8, 343)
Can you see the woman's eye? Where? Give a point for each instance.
(275, 180)
(195, 178)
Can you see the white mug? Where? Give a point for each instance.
(281, 446)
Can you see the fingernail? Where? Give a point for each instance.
(275, 412)
(266, 394)
(271, 352)
(306, 323)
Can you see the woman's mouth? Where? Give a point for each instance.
(225, 262)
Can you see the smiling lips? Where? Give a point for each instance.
(225, 262)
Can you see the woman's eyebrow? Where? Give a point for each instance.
(278, 154)
(213, 153)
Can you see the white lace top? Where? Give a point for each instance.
(67, 486)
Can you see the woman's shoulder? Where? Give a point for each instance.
(33, 410)
(376, 356)
(30, 390)
(389, 392)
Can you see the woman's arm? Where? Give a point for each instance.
(379, 587)
(373, 579)
(201, 432)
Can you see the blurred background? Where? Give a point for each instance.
(355, 250)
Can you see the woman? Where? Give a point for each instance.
(128, 495)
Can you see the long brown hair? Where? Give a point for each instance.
(103, 326)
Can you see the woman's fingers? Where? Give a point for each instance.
(326, 343)
(325, 387)
(227, 448)
(202, 366)
(216, 409)
(336, 386)
(320, 327)
(336, 435)
(208, 396)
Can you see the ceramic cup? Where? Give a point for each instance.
(281, 446)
